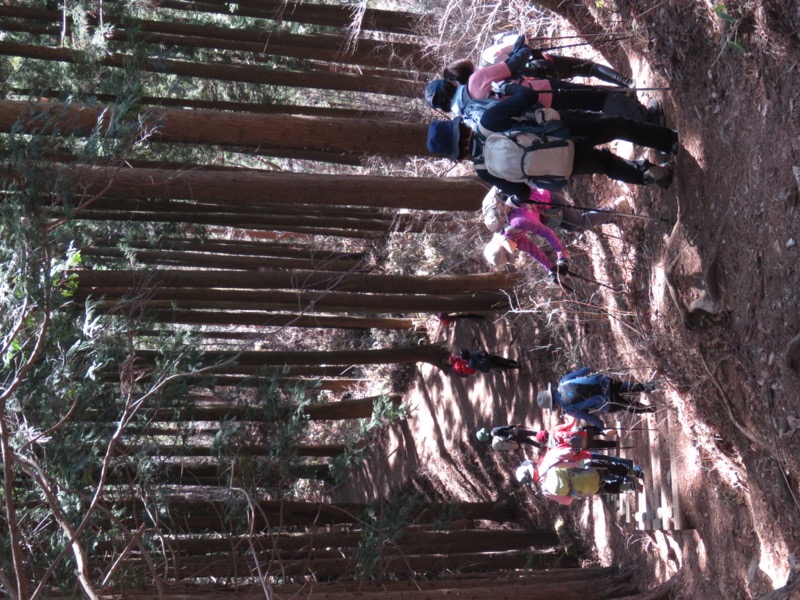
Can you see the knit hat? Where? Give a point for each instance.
(542, 437)
(545, 398)
(483, 435)
(499, 250)
(436, 95)
(443, 137)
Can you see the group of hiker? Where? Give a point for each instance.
(527, 131)
(568, 468)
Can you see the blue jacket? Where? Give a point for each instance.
(579, 392)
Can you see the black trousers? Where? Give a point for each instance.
(618, 401)
(595, 130)
(590, 130)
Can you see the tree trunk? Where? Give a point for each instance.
(370, 52)
(197, 513)
(302, 280)
(432, 354)
(249, 263)
(237, 247)
(322, 47)
(334, 385)
(431, 542)
(221, 474)
(227, 72)
(265, 319)
(345, 136)
(254, 188)
(237, 564)
(284, 301)
(340, 227)
(360, 408)
(331, 15)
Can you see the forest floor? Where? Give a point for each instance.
(709, 309)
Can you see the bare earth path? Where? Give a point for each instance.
(709, 308)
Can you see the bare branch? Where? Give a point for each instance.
(36, 473)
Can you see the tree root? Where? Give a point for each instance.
(711, 300)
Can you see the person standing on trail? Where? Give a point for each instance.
(564, 474)
(578, 437)
(511, 437)
(482, 361)
(583, 391)
(521, 220)
(538, 216)
(462, 84)
(512, 155)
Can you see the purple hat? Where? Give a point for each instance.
(443, 137)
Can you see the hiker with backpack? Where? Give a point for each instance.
(579, 437)
(508, 438)
(468, 91)
(482, 361)
(584, 390)
(511, 155)
(511, 219)
(513, 236)
(564, 474)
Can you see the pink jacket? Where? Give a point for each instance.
(528, 219)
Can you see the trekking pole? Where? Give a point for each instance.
(551, 48)
(607, 89)
(626, 35)
(601, 284)
(633, 428)
(613, 212)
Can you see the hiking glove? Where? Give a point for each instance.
(504, 88)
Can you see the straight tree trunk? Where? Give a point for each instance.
(238, 247)
(285, 301)
(202, 512)
(165, 279)
(264, 319)
(371, 51)
(323, 47)
(248, 263)
(360, 408)
(255, 381)
(413, 542)
(345, 136)
(251, 188)
(432, 354)
(341, 227)
(226, 72)
(232, 565)
(331, 15)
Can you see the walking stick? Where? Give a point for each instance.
(626, 35)
(600, 283)
(607, 89)
(613, 212)
(633, 428)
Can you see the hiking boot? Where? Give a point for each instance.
(638, 472)
(660, 175)
(655, 113)
(646, 388)
(649, 387)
